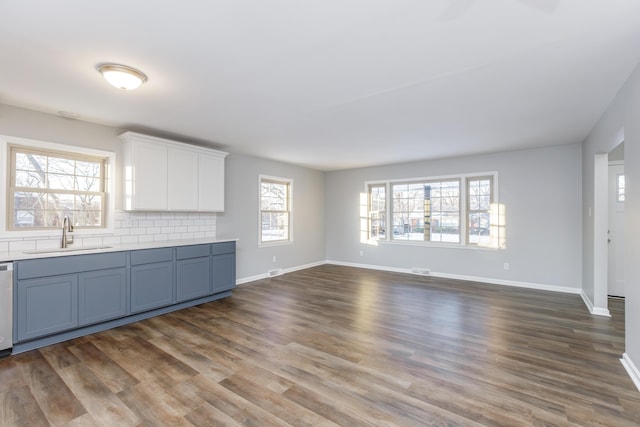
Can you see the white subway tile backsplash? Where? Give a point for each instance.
(145, 238)
(130, 227)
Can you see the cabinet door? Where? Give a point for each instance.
(148, 170)
(151, 286)
(47, 305)
(102, 295)
(183, 180)
(193, 278)
(224, 272)
(211, 183)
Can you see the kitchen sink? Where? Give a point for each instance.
(63, 250)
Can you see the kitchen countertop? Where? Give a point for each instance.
(79, 250)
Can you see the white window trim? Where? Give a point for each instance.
(110, 168)
(289, 241)
(463, 209)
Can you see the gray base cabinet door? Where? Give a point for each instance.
(224, 272)
(193, 278)
(102, 295)
(47, 305)
(151, 286)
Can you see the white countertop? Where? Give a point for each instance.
(79, 250)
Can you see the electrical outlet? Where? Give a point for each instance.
(506, 265)
(361, 253)
(274, 258)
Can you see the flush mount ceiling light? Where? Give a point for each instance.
(122, 76)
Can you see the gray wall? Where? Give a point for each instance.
(540, 189)
(240, 218)
(620, 119)
(30, 124)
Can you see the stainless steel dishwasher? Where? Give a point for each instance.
(6, 308)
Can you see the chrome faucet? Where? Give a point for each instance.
(66, 229)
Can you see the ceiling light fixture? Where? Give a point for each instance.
(122, 76)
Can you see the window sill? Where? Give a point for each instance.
(437, 245)
(278, 243)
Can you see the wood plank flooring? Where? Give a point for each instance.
(341, 346)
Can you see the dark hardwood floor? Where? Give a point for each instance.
(338, 346)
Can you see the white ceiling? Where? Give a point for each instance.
(329, 84)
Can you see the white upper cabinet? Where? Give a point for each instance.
(164, 175)
(183, 180)
(211, 169)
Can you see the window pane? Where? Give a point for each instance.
(620, 186)
(61, 181)
(31, 162)
(87, 169)
(29, 179)
(273, 196)
(377, 212)
(479, 227)
(61, 166)
(275, 226)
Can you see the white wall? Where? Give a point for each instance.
(540, 189)
(620, 121)
(240, 218)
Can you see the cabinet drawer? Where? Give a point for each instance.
(196, 251)
(223, 248)
(67, 264)
(148, 256)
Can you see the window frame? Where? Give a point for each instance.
(370, 211)
(463, 178)
(469, 211)
(620, 189)
(54, 150)
(276, 180)
(424, 183)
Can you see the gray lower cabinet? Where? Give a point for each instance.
(193, 272)
(56, 295)
(102, 295)
(47, 305)
(152, 280)
(224, 266)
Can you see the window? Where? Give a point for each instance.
(434, 210)
(275, 209)
(426, 211)
(377, 211)
(45, 186)
(479, 201)
(620, 188)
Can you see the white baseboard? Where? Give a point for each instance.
(281, 271)
(597, 311)
(492, 281)
(527, 285)
(631, 369)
